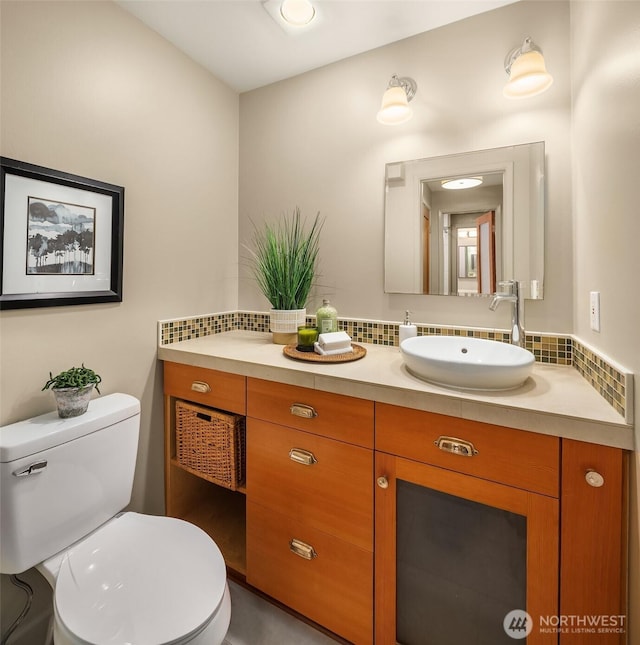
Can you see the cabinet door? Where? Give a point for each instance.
(324, 578)
(445, 532)
(322, 482)
(593, 564)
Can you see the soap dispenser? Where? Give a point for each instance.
(407, 329)
(326, 318)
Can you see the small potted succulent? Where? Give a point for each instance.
(72, 390)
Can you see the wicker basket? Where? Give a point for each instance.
(210, 444)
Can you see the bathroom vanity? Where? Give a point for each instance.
(340, 457)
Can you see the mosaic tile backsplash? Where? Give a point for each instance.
(612, 383)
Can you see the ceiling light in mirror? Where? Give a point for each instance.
(460, 183)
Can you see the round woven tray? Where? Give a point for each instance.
(312, 357)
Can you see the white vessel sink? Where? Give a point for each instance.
(468, 363)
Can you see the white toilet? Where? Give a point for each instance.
(118, 578)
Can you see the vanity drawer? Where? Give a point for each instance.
(514, 457)
(209, 387)
(332, 415)
(326, 483)
(334, 588)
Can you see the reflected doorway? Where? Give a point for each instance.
(468, 248)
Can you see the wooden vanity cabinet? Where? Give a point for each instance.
(310, 504)
(302, 531)
(218, 511)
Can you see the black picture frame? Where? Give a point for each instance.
(35, 225)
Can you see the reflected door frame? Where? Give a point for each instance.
(486, 225)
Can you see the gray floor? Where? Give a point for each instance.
(255, 621)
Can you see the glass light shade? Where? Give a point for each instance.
(395, 107)
(461, 183)
(297, 12)
(528, 76)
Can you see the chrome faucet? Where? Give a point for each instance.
(517, 309)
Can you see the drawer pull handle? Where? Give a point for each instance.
(302, 410)
(302, 549)
(382, 481)
(301, 456)
(594, 478)
(456, 446)
(200, 386)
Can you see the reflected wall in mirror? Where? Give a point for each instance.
(444, 238)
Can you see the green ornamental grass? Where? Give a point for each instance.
(284, 260)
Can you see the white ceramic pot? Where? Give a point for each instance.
(72, 401)
(284, 324)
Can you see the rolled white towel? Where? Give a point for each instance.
(331, 352)
(334, 340)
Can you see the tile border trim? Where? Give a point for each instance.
(613, 382)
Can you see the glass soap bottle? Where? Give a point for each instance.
(326, 318)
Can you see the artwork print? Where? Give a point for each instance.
(60, 238)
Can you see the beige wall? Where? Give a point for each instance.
(89, 90)
(85, 88)
(605, 39)
(314, 141)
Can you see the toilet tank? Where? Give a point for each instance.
(62, 478)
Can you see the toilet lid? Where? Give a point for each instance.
(140, 579)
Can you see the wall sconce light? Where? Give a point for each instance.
(395, 101)
(528, 75)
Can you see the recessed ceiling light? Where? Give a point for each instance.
(461, 182)
(297, 12)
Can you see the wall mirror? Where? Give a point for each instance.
(459, 224)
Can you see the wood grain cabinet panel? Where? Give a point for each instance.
(209, 387)
(593, 562)
(541, 514)
(325, 483)
(522, 459)
(333, 588)
(332, 415)
(310, 480)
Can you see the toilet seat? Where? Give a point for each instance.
(140, 579)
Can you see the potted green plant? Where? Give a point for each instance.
(72, 390)
(284, 261)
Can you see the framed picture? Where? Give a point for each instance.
(61, 238)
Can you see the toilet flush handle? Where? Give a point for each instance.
(32, 469)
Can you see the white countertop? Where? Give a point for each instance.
(555, 400)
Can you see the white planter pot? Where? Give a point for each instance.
(72, 401)
(284, 324)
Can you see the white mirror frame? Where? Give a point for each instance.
(522, 213)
